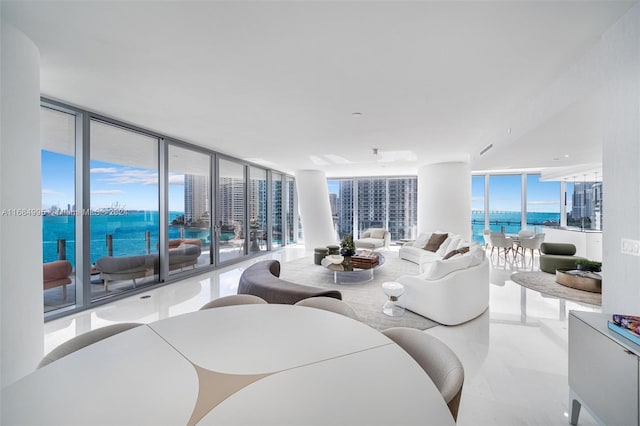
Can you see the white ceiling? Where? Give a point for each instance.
(277, 82)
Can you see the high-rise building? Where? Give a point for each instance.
(389, 203)
(587, 205)
(403, 208)
(231, 201)
(196, 200)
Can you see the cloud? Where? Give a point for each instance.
(133, 176)
(176, 179)
(107, 192)
(477, 198)
(46, 191)
(104, 170)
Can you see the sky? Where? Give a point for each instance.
(137, 189)
(110, 184)
(505, 193)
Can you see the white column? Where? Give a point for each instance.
(20, 188)
(444, 198)
(315, 209)
(621, 163)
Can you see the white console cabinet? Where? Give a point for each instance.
(603, 371)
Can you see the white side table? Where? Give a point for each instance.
(393, 290)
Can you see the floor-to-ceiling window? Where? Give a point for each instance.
(276, 209)
(57, 138)
(505, 209)
(257, 209)
(477, 208)
(124, 209)
(584, 204)
(542, 200)
(341, 199)
(372, 203)
(231, 207)
(291, 208)
(402, 208)
(189, 224)
(389, 203)
(543, 203)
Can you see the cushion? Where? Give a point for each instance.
(440, 268)
(377, 233)
(450, 254)
(456, 242)
(444, 247)
(422, 240)
(435, 242)
(454, 252)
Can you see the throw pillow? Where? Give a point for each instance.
(444, 247)
(421, 240)
(377, 233)
(461, 250)
(450, 254)
(435, 242)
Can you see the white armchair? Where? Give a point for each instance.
(374, 238)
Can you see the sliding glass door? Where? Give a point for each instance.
(231, 210)
(189, 225)
(59, 211)
(124, 218)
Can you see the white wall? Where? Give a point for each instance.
(444, 198)
(20, 236)
(621, 163)
(315, 209)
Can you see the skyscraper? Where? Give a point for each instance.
(196, 201)
(389, 203)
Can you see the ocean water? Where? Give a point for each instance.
(511, 222)
(128, 233)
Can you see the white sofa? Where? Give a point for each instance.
(374, 238)
(414, 251)
(449, 291)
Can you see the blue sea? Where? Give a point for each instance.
(128, 233)
(510, 222)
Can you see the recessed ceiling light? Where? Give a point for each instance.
(556, 159)
(356, 114)
(509, 130)
(566, 156)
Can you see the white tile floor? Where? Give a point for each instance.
(514, 355)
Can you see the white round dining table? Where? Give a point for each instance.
(236, 365)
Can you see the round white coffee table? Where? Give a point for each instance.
(393, 290)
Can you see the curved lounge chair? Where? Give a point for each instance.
(262, 279)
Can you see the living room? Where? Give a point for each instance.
(294, 86)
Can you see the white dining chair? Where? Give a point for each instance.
(437, 360)
(234, 299)
(330, 304)
(500, 241)
(85, 339)
(531, 244)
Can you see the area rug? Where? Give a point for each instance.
(546, 283)
(358, 290)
